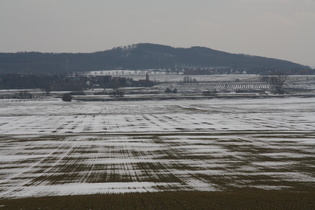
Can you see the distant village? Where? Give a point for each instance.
(70, 82)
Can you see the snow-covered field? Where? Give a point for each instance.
(49, 147)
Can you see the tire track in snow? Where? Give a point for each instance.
(12, 180)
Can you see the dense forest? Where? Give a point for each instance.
(142, 56)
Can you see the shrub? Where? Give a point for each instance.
(66, 97)
(167, 90)
(117, 93)
(210, 92)
(24, 95)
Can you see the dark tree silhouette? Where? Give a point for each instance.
(277, 80)
(66, 97)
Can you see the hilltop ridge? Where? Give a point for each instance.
(141, 56)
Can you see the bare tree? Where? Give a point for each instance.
(47, 88)
(116, 86)
(277, 80)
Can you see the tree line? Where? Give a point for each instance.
(59, 82)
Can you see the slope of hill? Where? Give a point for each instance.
(139, 56)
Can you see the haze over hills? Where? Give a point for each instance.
(142, 56)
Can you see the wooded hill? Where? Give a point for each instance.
(142, 56)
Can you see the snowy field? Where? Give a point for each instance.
(49, 147)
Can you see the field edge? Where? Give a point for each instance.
(239, 199)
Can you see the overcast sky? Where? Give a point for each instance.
(283, 29)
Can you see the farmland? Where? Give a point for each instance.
(52, 148)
